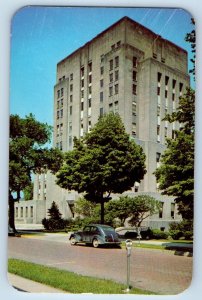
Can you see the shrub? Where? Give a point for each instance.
(158, 234)
(55, 222)
(175, 234)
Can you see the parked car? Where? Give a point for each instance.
(96, 235)
(132, 233)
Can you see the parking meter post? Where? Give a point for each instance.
(128, 248)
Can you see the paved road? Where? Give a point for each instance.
(155, 270)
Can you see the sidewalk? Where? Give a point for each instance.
(26, 285)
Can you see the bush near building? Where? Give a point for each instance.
(55, 221)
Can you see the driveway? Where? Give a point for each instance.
(154, 270)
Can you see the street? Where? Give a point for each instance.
(159, 271)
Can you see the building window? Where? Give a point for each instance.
(58, 93)
(166, 132)
(70, 127)
(82, 106)
(82, 72)
(134, 108)
(89, 90)
(90, 78)
(21, 212)
(161, 210)
(111, 107)
(116, 75)
(101, 96)
(174, 83)
(58, 130)
(71, 76)
(110, 91)
(134, 129)
(158, 130)
(166, 80)
(158, 90)
(62, 92)
(118, 44)
(158, 111)
(180, 86)
(111, 77)
(134, 89)
(102, 70)
(58, 114)
(134, 76)
(172, 212)
(90, 67)
(101, 83)
(158, 156)
(82, 94)
(61, 102)
(111, 64)
(89, 126)
(31, 211)
(116, 61)
(116, 107)
(61, 145)
(82, 83)
(61, 113)
(71, 98)
(166, 94)
(159, 75)
(70, 110)
(102, 58)
(71, 87)
(26, 212)
(134, 62)
(113, 47)
(173, 96)
(58, 104)
(116, 91)
(70, 141)
(89, 102)
(101, 111)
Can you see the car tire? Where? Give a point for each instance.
(73, 241)
(95, 243)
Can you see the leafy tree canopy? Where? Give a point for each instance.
(28, 155)
(176, 172)
(105, 161)
(136, 209)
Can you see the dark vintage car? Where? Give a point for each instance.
(96, 235)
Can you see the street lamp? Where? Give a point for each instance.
(129, 244)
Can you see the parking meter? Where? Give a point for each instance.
(129, 244)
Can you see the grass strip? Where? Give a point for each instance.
(67, 281)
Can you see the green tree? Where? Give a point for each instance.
(176, 172)
(28, 155)
(85, 208)
(28, 191)
(135, 209)
(105, 161)
(55, 220)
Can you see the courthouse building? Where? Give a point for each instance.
(127, 69)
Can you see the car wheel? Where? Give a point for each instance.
(95, 243)
(73, 241)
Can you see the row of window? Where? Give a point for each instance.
(24, 212)
(167, 80)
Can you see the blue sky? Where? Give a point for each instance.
(42, 36)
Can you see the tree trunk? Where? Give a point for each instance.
(102, 210)
(12, 212)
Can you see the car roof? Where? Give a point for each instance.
(100, 225)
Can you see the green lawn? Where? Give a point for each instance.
(67, 281)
